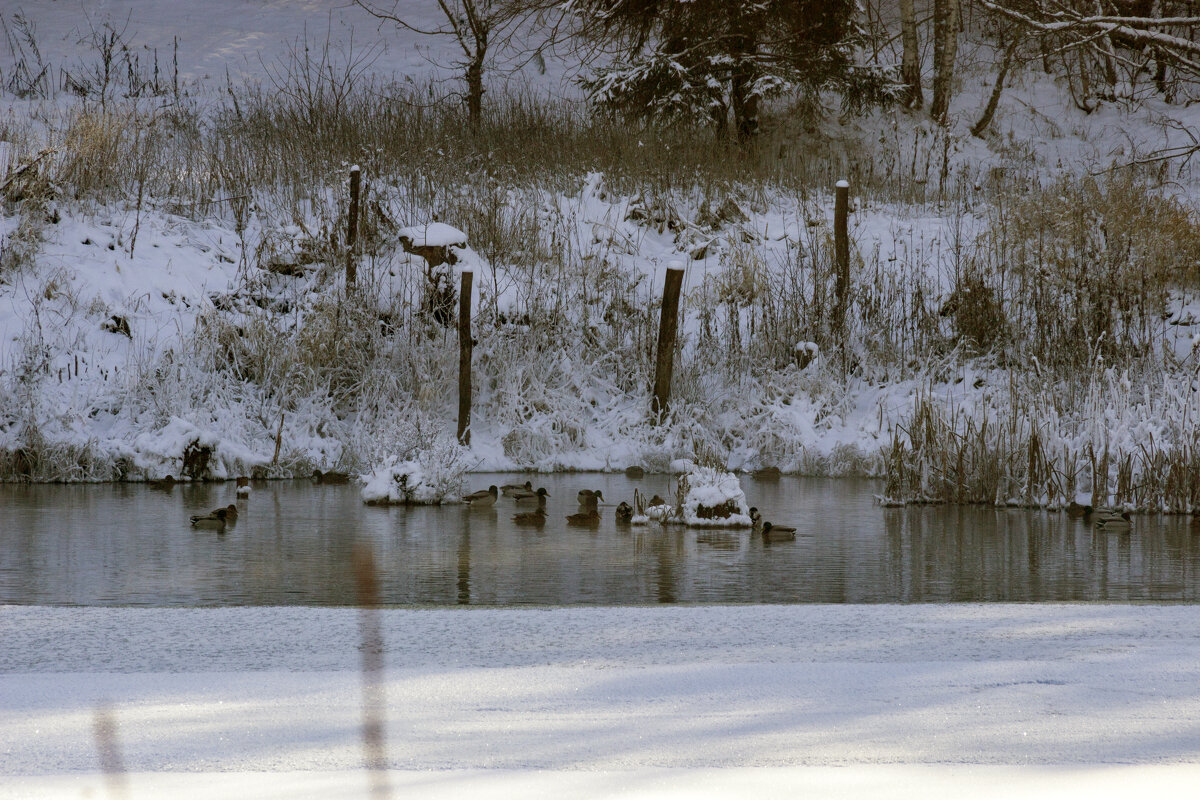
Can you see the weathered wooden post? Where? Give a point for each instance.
(841, 253)
(352, 226)
(667, 327)
(464, 357)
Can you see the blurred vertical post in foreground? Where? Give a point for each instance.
(366, 580)
(104, 728)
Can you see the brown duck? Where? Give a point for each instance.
(584, 518)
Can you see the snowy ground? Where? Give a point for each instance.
(846, 701)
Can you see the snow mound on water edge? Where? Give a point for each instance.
(433, 477)
(183, 448)
(713, 499)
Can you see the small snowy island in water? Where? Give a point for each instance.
(707, 498)
(434, 476)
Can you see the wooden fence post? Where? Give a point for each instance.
(667, 327)
(464, 358)
(841, 254)
(352, 226)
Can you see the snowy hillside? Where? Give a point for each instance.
(172, 270)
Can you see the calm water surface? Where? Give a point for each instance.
(124, 544)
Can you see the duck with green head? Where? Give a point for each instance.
(587, 497)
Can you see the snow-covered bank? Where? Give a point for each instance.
(637, 702)
(179, 288)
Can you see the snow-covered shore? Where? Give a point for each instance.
(853, 701)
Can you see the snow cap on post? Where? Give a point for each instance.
(433, 234)
(843, 184)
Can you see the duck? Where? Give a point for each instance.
(656, 501)
(766, 474)
(243, 486)
(484, 497)
(217, 518)
(164, 485)
(1075, 510)
(588, 497)
(635, 472)
(511, 489)
(755, 517)
(624, 512)
(536, 517)
(330, 477)
(1113, 520)
(584, 518)
(777, 533)
(540, 495)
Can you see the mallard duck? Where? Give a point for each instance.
(635, 472)
(217, 518)
(330, 477)
(624, 512)
(755, 517)
(243, 487)
(586, 518)
(540, 495)
(656, 501)
(766, 474)
(587, 497)
(164, 485)
(777, 533)
(484, 497)
(511, 489)
(1112, 520)
(1075, 510)
(536, 517)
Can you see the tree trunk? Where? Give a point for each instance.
(742, 98)
(745, 104)
(910, 64)
(475, 90)
(1109, 58)
(994, 100)
(945, 48)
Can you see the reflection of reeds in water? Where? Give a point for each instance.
(112, 765)
(367, 583)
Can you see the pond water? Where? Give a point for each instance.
(126, 544)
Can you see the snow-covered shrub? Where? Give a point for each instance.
(433, 477)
